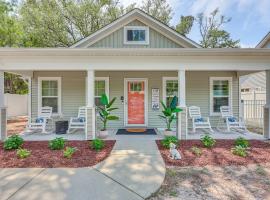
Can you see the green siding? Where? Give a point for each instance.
(73, 91)
(116, 39)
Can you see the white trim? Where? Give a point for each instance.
(164, 79)
(211, 79)
(59, 92)
(145, 102)
(144, 28)
(29, 99)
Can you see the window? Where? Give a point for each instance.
(220, 93)
(50, 93)
(170, 89)
(136, 35)
(101, 87)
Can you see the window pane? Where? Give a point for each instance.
(220, 101)
(172, 88)
(221, 88)
(100, 87)
(98, 101)
(49, 88)
(136, 35)
(51, 102)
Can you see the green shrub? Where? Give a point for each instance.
(57, 143)
(13, 142)
(241, 142)
(69, 151)
(169, 139)
(196, 150)
(208, 141)
(97, 144)
(23, 153)
(239, 151)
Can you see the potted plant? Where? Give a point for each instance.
(170, 114)
(105, 114)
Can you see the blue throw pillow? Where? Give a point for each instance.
(199, 119)
(81, 119)
(40, 120)
(232, 119)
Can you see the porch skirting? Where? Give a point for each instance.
(90, 123)
(3, 120)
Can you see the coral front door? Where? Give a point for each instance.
(136, 102)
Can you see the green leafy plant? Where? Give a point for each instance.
(97, 144)
(196, 150)
(13, 142)
(23, 153)
(69, 151)
(170, 112)
(239, 151)
(105, 110)
(241, 142)
(208, 141)
(169, 139)
(57, 143)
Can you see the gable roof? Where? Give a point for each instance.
(143, 17)
(264, 41)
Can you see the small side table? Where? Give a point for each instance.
(61, 127)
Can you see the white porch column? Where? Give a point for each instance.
(90, 132)
(3, 109)
(266, 130)
(182, 116)
(29, 99)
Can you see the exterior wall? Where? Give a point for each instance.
(116, 39)
(197, 91)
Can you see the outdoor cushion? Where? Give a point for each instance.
(81, 119)
(40, 120)
(199, 119)
(232, 119)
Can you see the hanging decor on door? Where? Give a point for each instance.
(155, 99)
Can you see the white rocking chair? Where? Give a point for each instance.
(41, 121)
(199, 122)
(78, 122)
(232, 123)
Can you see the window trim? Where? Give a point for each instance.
(211, 81)
(164, 80)
(59, 91)
(145, 28)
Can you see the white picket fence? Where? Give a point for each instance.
(253, 112)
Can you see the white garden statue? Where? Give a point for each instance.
(174, 153)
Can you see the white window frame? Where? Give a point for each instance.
(211, 80)
(164, 91)
(59, 93)
(145, 28)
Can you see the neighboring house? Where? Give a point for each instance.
(131, 59)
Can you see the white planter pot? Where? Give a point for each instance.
(103, 134)
(168, 133)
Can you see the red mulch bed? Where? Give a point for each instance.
(219, 155)
(42, 157)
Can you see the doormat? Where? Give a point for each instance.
(145, 132)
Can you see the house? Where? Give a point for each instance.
(135, 54)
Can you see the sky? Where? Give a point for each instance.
(250, 18)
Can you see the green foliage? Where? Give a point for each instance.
(196, 150)
(241, 142)
(15, 84)
(105, 110)
(170, 112)
(208, 141)
(57, 143)
(23, 153)
(13, 142)
(97, 144)
(169, 139)
(239, 151)
(185, 25)
(69, 151)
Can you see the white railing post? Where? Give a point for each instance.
(182, 116)
(266, 129)
(29, 99)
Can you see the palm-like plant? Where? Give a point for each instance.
(105, 110)
(170, 112)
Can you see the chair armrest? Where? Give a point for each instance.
(74, 119)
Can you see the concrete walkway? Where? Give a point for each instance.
(134, 171)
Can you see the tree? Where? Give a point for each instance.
(213, 36)
(185, 24)
(159, 9)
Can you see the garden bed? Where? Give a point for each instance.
(43, 157)
(219, 155)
